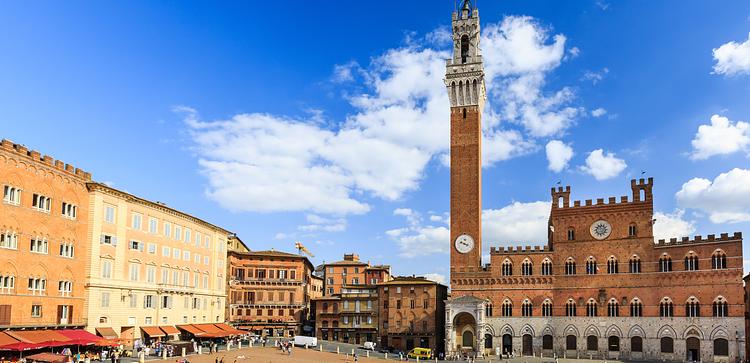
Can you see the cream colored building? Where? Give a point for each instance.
(151, 265)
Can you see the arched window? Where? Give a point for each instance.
(507, 268)
(467, 339)
(666, 308)
(613, 308)
(546, 267)
(719, 260)
(692, 307)
(488, 341)
(612, 265)
(570, 342)
(488, 309)
(636, 344)
(721, 347)
(636, 308)
(547, 308)
(570, 266)
(325, 323)
(526, 308)
(571, 234)
(634, 265)
(325, 306)
(720, 307)
(613, 344)
(507, 308)
(665, 263)
(667, 345)
(691, 261)
(591, 308)
(547, 342)
(632, 230)
(591, 268)
(592, 343)
(474, 94)
(570, 308)
(464, 48)
(526, 267)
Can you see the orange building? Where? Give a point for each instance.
(352, 271)
(270, 292)
(43, 240)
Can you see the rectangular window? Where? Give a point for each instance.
(107, 269)
(37, 285)
(66, 249)
(186, 255)
(164, 276)
(41, 203)
(109, 213)
(12, 195)
(136, 245)
(282, 274)
(133, 300)
(177, 232)
(65, 288)
(106, 239)
(197, 239)
(176, 253)
(165, 251)
(205, 281)
(205, 260)
(148, 321)
(167, 230)
(153, 225)
(152, 248)
(104, 302)
(136, 221)
(39, 245)
(166, 302)
(148, 301)
(197, 258)
(151, 274)
(207, 243)
(9, 240)
(69, 210)
(175, 277)
(187, 235)
(36, 311)
(134, 271)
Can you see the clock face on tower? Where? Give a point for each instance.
(464, 243)
(600, 229)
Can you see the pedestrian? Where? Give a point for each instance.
(356, 358)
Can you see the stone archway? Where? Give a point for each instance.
(692, 349)
(465, 326)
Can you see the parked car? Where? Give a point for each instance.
(369, 345)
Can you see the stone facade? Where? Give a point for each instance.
(601, 286)
(270, 292)
(43, 240)
(150, 265)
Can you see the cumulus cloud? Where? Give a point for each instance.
(603, 165)
(418, 239)
(558, 155)
(595, 77)
(518, 54)
(732, 58)
(269, 163)
(726, 199)
(317, 223)
(721, 137)
(599, 112)
(672, 225)
(516, 223)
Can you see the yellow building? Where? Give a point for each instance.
(150, 265)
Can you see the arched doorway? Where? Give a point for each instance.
(488, 341)
(527, 348)
(507, 344)
(613, 343)
(465, 326)
(692, 349)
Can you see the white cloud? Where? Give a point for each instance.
(515, 224)
(518, 54)
(345, 72)
(439, 278)
(599, 112)
(318, 223)
(418, 239)
(732, 58)
(721, 137)
(603, 166)
(602, 4)
(672, 225)
(558, 155)
(281, 235)
(595, 77)
(726, 199)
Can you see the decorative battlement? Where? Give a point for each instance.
(642, 192)
(724, 237)
(37, 157)
(518, 249)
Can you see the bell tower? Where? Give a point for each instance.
(464, 79)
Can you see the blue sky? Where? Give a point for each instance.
(326, 122)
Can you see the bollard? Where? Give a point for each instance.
(337, 350)
(239, 345)
(141, 357)
(321, 347)
(386, 355)
(164, 354)
(200, 349)
(368, 354)
(229, 346)
(184, 351)
(417, 358)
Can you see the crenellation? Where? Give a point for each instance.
(36, 155)
(577, 203)
(69, 168)
(588, 202)
(6, 144)
(48, 160)
(45, 159)
(612, 200)
(59, 165)
(624, 199)
(599, 201)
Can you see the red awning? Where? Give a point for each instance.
(192, 330)
(106, 332)
(43, 338)
(80, 336)
(230, 329)
(47, 357)
(153, 331)
(6, 339)
(208, 328)
(169, 330)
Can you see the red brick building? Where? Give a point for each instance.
(601, 286)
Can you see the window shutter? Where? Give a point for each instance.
(101, 239)
(140, 246)
(114, 240)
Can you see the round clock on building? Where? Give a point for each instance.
(464, 243)
(600, 229)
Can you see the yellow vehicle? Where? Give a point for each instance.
(421, 353)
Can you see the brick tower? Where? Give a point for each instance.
(464, 78)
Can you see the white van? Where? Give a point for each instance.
(369, 345)
(302, 341)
